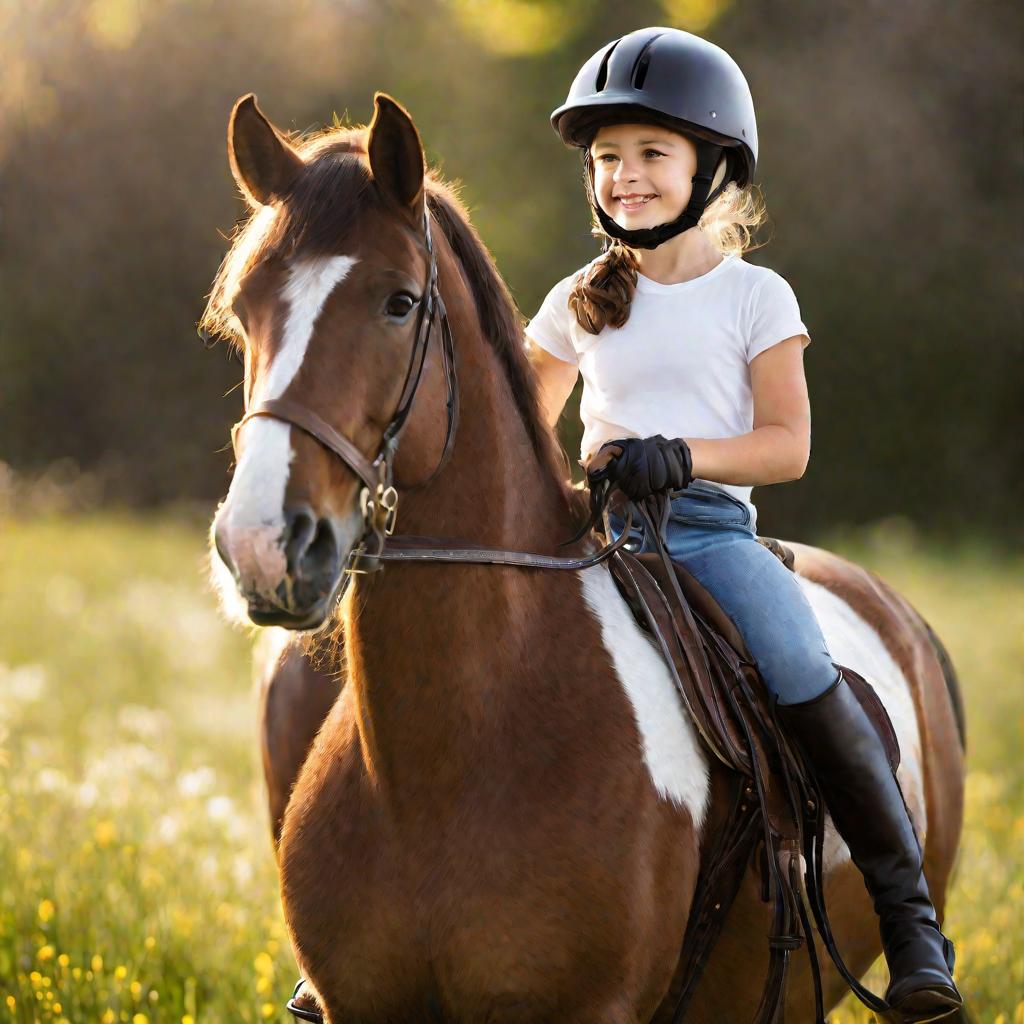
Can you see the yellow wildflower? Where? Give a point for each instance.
(268, 1010)
(150, 942)
(120, 972)
(188, 1019)
(264, 964)
(105, 833)
(136, 989)
(263, 985)
(108, 1017)
(76, 973)
(46, 952)
(56, 1008)
(36, 978)
(63, 959)
(97, 963)
(11, 1002)
(46, 909)
(140, 1018)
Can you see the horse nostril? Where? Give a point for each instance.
(311, 545)
(299, 528)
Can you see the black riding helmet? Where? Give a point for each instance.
(677, 80)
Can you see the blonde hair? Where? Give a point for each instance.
(603, 293)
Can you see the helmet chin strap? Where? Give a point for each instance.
(708, 157)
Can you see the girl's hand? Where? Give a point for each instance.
(641, 467)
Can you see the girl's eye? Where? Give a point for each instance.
(606, 156)
(647, 152)
(400, 305)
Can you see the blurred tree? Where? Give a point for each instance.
(890, 160)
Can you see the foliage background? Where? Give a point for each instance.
(890, 160)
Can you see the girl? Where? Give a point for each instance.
(692, 361)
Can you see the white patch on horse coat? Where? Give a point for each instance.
(852, 642)
(674, 758)
(310, 282)
(251, 521)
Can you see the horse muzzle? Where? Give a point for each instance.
(288, 573)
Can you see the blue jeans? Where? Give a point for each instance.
(709, 533)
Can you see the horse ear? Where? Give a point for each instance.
(262, 162)
(396, 153)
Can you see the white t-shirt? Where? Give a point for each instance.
(680, 366)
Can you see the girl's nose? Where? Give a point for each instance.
(624, 172)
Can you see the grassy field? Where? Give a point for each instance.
(137, 881)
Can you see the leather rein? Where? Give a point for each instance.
(379, 494)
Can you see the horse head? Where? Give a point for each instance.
(328, 293)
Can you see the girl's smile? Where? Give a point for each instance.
(635, 201)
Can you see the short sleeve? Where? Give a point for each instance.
(551, 328)
(774, 315)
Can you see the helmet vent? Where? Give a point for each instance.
(602, 71)
(643, 62)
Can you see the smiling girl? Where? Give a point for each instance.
(692, 363)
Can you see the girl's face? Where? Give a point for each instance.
(642, 173)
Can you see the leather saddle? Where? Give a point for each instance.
(776, 816)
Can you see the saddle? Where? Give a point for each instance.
(776, 814)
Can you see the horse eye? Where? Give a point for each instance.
(400, 305)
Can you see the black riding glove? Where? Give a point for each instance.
(640, 467)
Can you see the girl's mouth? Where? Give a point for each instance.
(634, 202)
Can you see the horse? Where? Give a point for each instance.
(487, 802)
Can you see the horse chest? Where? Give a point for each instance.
(463, 910)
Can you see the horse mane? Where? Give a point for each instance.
(327, 202)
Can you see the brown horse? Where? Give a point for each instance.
(500, 816)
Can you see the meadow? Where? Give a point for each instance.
(137, 879)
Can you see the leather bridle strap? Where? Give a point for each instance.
(428, 549)
(300, 416)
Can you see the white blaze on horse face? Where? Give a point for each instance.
(251, 521)
(852, 641)
(674, 759)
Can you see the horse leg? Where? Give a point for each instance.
(297, 689)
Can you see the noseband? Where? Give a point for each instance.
(379, 496)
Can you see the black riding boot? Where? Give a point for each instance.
(849, 760)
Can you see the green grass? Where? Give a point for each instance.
(137, 881)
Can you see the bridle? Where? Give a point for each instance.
(379, 495)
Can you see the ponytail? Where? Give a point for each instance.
(603, 294)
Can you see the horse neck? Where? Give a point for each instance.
(428, 644)
(496, 489)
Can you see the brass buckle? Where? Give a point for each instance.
(381, 511)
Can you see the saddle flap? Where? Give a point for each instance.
(876, 712)
(683, 618)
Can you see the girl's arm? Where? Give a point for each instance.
(556, 379)
(778, 447)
